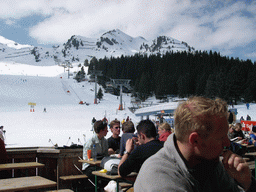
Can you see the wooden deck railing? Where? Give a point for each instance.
(58, 162)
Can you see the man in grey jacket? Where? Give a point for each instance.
(189, 160)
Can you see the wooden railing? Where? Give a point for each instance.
(58, 162)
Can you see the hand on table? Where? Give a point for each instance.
(237, 168)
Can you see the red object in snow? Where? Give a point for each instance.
(246, 125)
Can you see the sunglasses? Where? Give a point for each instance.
(117, 127)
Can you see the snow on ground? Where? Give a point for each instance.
(48, 87)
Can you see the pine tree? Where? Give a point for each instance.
(80, 75)
(144, 87)
(183, 86)
(86, 63)
(211, 87)
(100, 94)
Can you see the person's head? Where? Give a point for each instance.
(164, 127)
(202, 124)
(231, 128)
(254, 129)
(128, 127)
(115, 127)
(146, 130)
(238, 127)
(101, 128)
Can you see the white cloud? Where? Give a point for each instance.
(10, 22)
(202, 24)
(225, 28)
(251, 55)
(16, 9)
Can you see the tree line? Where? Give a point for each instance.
(182, 74)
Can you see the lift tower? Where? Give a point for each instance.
(96, 73)
(121, 83)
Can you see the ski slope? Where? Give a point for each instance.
(65, 121)
(65, 117)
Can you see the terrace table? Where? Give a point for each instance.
(129, 178)
(254, 155)
(25, 183)
(23, 165)
(249, 148)
(93, 163)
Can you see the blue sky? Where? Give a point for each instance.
(228, 27)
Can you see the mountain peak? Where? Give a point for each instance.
(113, 43)
(12, 44)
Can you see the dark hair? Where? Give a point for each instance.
(128, 127)
(99, 125)
(112, 123)
(147, 127)
(254, 129)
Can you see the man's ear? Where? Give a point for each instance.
(193, 138)
(142, 136)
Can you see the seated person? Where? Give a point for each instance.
(3, 154)
(3, 160)
(236, 137)
(164, 131)
(114, 140)
(132, 160)
(238, 132)
(101, 146)
(2, 133)
(231, 131)
(128, 133)
(253, 136)
(189, 160)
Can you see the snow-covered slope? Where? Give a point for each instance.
(50, 88)
(10, 44)
(77, 49)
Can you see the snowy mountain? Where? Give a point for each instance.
(77, 49)
(6, 43)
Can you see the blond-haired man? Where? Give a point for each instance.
(189, 160)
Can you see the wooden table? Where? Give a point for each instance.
(25, 183)
(249, 148)
(129, 178)
(91, 162)
(252, 154)
(25, 165)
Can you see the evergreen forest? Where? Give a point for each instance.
(182, 74)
